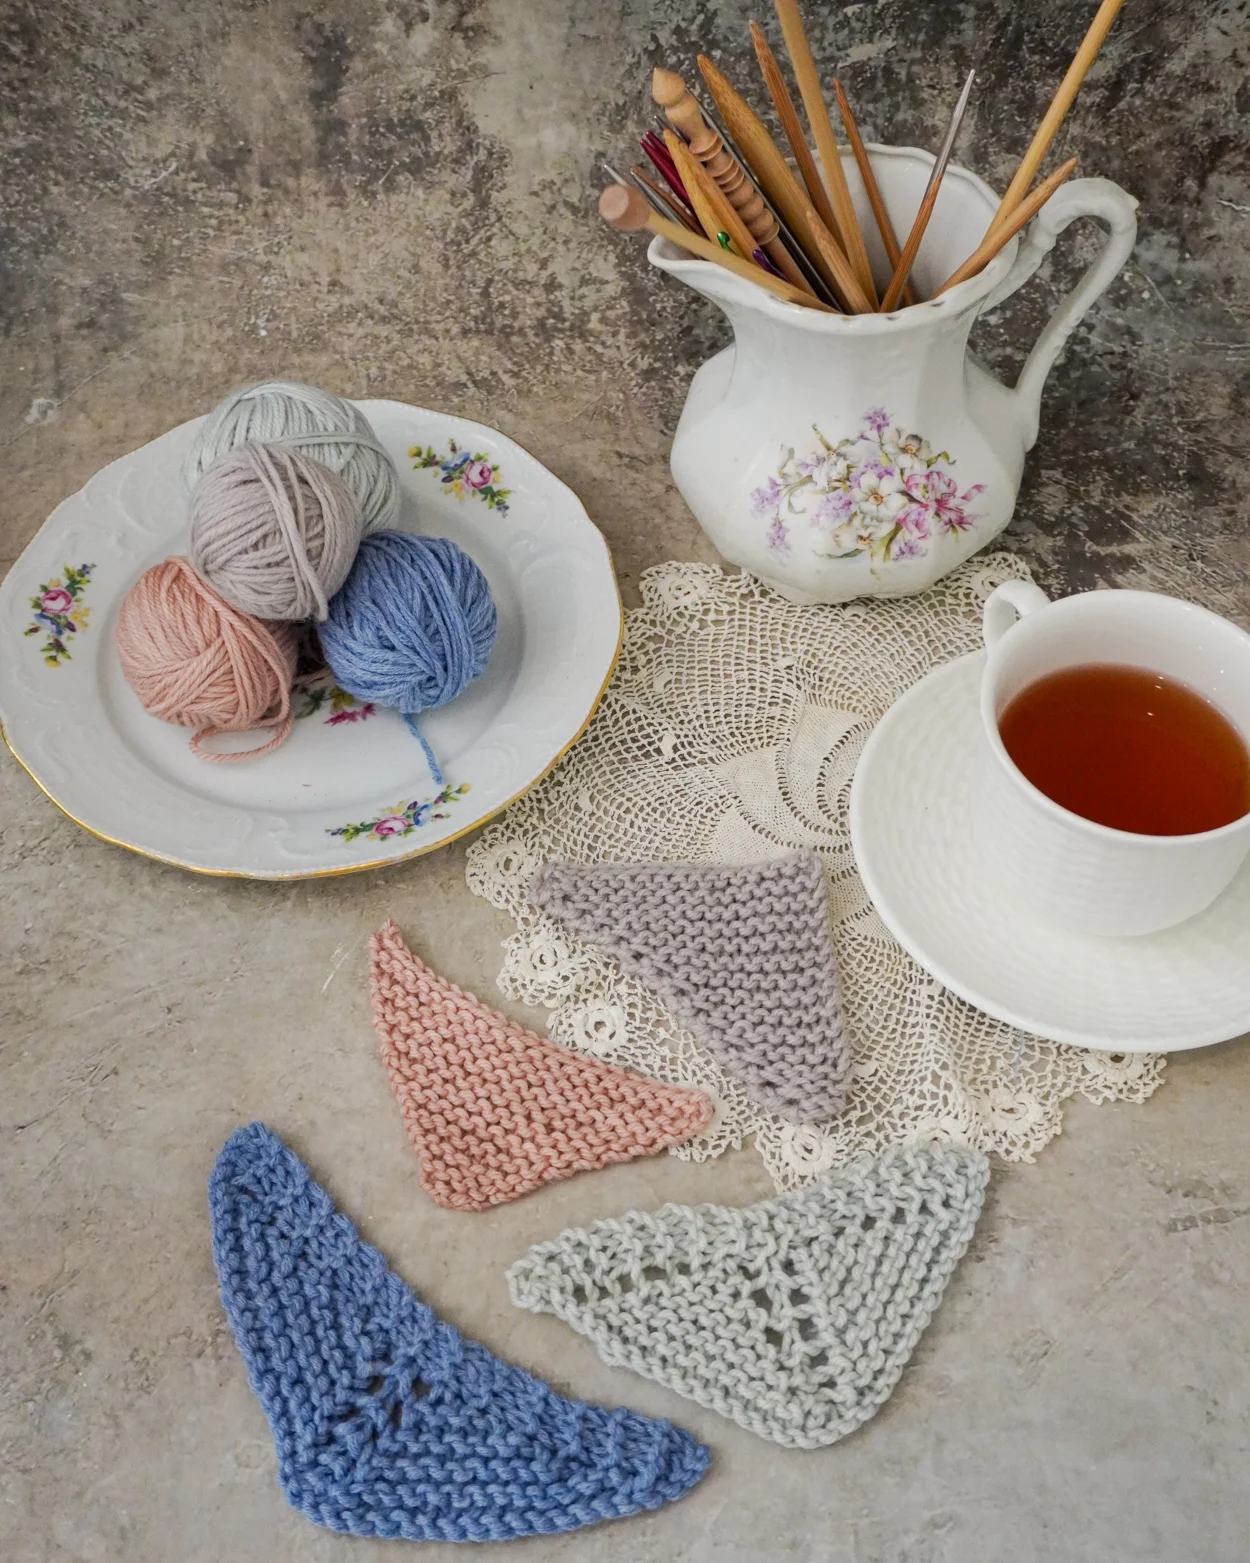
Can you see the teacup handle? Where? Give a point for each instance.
(1005, 605)
(1078, 198)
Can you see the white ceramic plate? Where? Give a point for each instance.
(350, 789)
(917, 854)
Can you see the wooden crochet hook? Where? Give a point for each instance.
(792, 125)
(907, 259)
(626, 209)
(710, 206)
(862, 161)
(727, 173)
(713, 206)
(805, 74)
(783, 190)
(1055, 114)
(680, 108)
(797, 252)
(996, 238)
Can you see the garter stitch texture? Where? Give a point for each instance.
(493, 1110)
(742, 956)
(794, 1317)
(386, 1421)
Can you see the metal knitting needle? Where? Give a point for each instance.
(662, 201)
(952, 130)
(927, 202)
(652, 195)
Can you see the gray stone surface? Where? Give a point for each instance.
(391, 198)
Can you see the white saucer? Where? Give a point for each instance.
(350, 789)
(915, 847)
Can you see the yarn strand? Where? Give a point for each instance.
(435, 769)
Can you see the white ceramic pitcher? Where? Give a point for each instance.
(841, 456)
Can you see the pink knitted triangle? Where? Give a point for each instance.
(493, 1110)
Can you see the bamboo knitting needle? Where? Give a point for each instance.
(793, 128)
(884, 226)
(996, 238)
(826, 142)
(907, 259)
(727, 173)
(714, 212)
(783, 190)
(1059, 106)
(627, 210)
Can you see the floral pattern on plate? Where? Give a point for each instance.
(58, 614)
(464, 473)
(107, 770)
(404, 818)
(310, 699)
(882, 492)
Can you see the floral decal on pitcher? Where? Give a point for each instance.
(59, 614)
(883, 492)
(464, 473)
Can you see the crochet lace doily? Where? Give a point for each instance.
(731, 731)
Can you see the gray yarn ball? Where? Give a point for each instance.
(324, 426)
(274, 531)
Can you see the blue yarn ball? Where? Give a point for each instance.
(413, 624)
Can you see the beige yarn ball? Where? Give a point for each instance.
(274, 531)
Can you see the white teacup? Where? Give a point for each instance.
(1089, 876)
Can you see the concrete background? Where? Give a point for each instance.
(393, 198)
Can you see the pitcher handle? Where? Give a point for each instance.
(1078, 198)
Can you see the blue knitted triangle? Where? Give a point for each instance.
(387, 1422)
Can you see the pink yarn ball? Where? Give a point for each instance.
(195, 661)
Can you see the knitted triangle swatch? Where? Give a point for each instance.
(742, 956)
(493, 1110)
(794, 1317)
(386, 1421)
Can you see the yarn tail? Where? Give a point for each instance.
(429, 753)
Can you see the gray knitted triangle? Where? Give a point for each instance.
(742, 956)
(794, 1317)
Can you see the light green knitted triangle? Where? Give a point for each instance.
(796, 1316)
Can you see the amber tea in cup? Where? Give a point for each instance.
(1129, 748)
(1114, 789)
